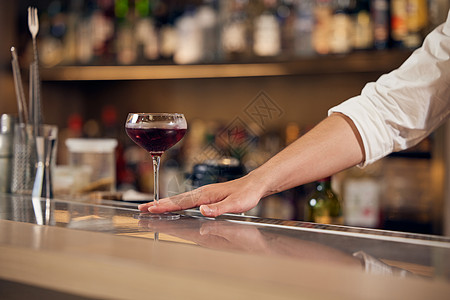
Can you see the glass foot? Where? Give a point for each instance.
(152, 216)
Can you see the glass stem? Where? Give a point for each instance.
(156, 161)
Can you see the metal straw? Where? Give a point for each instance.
(21, 102)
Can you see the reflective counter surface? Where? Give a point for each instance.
(391, 255)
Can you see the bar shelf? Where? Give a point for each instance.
(358, 62)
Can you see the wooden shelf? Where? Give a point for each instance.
(370, 61)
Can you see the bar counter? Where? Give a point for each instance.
(102, 249)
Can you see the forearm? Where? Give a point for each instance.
(333, 145)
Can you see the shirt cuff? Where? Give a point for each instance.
(376, 140)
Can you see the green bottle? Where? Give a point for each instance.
(323, 205)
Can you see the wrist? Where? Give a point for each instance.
(261, 182)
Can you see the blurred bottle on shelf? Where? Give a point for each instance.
(84, 40)
(380, 16)
(72, 16)
(323, 205)
(304, 26)
(416, 22)
(103, 32)
(342, 29)
(146, 35)
(165, 19)
(125, 40)
(53, 31)
(363, 33)
(286, 14)
(321, 35)
(408, 195)
(125, 32)
(409, 19)
(399, 15)
(208, 20)
(266, 31)
(235, 35)
(361, 190)
(189, 38)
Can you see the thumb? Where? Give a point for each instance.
(216, 209)
(208, 210)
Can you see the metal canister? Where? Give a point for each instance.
(6, 151)
(218, 170)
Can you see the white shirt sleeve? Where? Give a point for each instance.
(404, 106)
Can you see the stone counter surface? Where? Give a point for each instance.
(102, 251)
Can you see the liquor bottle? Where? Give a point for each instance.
(323, 205)
(363, 33)
(304, 27)
(54, 29)
(287, 17)
(189, 48)
(73, 18)
(417, 21)
(85, 33)
(380, 16)
(235, 34)
(399, 25)
(166, 14)
(145, 31)
(267, 31)
(342, 28)
(102, 25)
(323, 27)
(207, 19)
(361, 191)
(126, 49)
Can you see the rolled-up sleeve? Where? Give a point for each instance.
(404, 106)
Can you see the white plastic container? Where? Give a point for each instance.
(95, 161)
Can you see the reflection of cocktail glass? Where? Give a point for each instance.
(156, 132)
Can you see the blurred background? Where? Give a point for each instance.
(251, 76)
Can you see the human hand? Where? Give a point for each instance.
(234, 196)
(214, 234)
(224, 235)
(228, 236)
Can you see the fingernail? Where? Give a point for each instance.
(140, 206)
(205, 210)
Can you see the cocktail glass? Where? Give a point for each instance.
(156, 133)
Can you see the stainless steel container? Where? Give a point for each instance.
(6, 151)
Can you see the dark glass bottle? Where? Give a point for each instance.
(323, 205)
